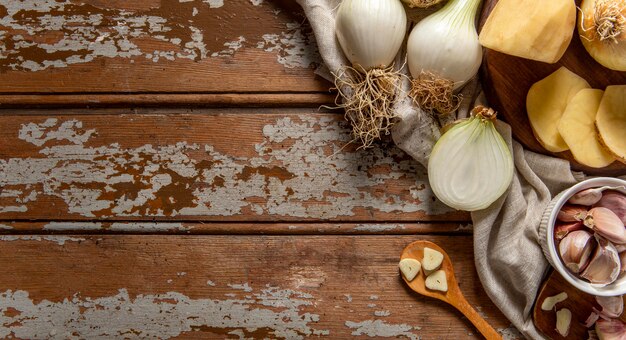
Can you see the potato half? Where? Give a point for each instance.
(546, 102)
(611, 121)
(577, 127)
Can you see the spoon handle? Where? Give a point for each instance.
(483, 327)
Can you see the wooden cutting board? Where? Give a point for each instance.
(579, 303)
(507, 79)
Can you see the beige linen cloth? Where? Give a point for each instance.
(508, 257)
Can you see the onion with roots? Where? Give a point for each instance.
(443, 54)
(602, 29)
(370, 33)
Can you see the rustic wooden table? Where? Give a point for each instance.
(165, 172)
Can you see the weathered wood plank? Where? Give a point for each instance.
(206, 166)
(251, 228)
(224, 286)
(67, 46)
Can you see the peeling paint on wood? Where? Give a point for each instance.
(298, 169)
(57, 34)
(379, 328)
(273, 312)
(58, 239)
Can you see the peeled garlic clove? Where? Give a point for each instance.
(610, 329)
(432, 260)
(409, 268)
(563, 320)
(576, 249)
(607, 224)
(612, 306)
(563, 228)
(571, 213)
(604, 266)
(589, 196)
(550, 301)
(437, 281)
(614, 201)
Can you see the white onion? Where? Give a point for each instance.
(371, 32)
(602, 29)
(446, 43)
(471, 165)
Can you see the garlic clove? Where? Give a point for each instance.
(571, 213)
(612, 306)
(563, 228)
(607, 224)
(604, 266)
(550, 301)
(591, 319)
(622, 260)
(410, 268)
(563, 321)
(576, 249)
(589, 196)
(614, 201)
(610, 329)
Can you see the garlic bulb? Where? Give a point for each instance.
(370, 32)
(604, 266)
(611, 329)
(612, 306)
(471, 165)
(446, 43)
(575, 250)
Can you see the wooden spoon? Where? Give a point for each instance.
(453, 296)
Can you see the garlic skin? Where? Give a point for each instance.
(571, 213)
(614, 201)
(604, 266)
(445, 43)
(612, 306)
(370, 32)
(607, 224)
(576, 249)
(611, 329)
(589, 196)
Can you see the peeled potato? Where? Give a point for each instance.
(577, 127)
(546, 102)
(611, 121)
(537, 30)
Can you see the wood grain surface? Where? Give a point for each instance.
(579, 303)
(335, 287)
(120, 47)
(506, 80)
(211, 165)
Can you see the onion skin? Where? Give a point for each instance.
(607, 50)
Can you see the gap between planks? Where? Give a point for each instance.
(237, 228)
(307, 99)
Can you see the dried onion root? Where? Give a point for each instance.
(367, 98)
(421, 3)
(434, 94)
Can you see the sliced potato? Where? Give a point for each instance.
(611, 121)
(410, 268)
(537, 30)
(546, 102)
(437, 281)
(577, 127)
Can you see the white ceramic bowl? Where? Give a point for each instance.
(546, 236)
